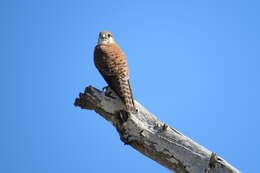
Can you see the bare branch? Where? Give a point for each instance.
(153, 138)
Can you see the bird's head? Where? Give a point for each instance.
(105, 37)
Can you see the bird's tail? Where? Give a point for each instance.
(126, 95)
(128, 98)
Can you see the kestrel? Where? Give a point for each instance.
(112, 65)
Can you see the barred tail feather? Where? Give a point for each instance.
(126, 95)
(130, 105)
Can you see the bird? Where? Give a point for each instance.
(111, 63)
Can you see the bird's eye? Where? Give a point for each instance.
(109, 35)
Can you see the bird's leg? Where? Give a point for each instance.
(108, 92)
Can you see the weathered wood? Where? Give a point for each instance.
(153, 138)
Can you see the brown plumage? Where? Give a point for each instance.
(111, 63)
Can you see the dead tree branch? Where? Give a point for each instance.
(153, 138)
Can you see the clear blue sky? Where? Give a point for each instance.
(193, 64)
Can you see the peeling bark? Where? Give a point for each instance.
(153, 138)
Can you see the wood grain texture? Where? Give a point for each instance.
(153, 138)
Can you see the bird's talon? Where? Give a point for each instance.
(109, 94)
(104, 89)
